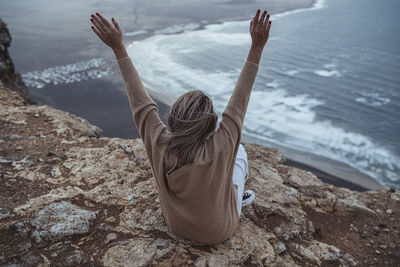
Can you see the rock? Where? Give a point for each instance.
(110, 237)
(395, 254)
(377, 252)
(4, 213)
(12, 137)
(25, 247)
(5, 161)
(75, 258)
(110, 219)
(280, 248)
(293, 221)
(212, 261)
(9, 77)
(20, 228)
(141, 251)
(93, 131)
(30, 259)
(59, 220)
(389, 211)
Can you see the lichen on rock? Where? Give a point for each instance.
(73, 197)
(60, 220)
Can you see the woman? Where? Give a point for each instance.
(196, 168)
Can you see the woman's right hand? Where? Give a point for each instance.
(259, 29)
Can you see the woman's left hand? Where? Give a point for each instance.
(110, 34)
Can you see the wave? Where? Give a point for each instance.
(176, 63)
(372, 99)
(95, 68)
(327, 73)
(134, 33)
(180, 28)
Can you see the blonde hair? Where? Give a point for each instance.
(191, 119)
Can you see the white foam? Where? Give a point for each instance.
(272, 114)
(372, 99)
(291, 72)
(134, 33)
(327, 73)
(273, 84)
(84, 70)
(319, 4)
(178, 28)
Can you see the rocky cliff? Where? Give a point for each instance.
(9, 77)
(69, 197)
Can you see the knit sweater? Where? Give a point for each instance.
(198, 200)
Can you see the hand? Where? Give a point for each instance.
(110, 34)
(259, 29)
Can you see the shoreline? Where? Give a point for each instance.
(118, 123)
(327, 170)
(354, 180)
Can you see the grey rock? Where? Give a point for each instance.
(110, 237)
(93, 131)
(20, 228)
(12, 137)
(59, 220)
(77, 257)
(30, 260)
(395, 254)
(4, 213)
(9, 76)
(25, 247)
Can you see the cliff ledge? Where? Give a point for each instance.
(69, 197)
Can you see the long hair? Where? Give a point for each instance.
(191, 119)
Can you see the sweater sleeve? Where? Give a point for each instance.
(233, 116)
(144, 109)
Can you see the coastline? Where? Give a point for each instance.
(327, 170)
(338, 175)
(117, 121)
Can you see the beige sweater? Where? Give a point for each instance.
(198, 200)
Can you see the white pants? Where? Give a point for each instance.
(240, 175)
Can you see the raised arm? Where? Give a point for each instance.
(144, 109)
(235, 111)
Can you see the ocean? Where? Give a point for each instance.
(328, 82)
(327, 89)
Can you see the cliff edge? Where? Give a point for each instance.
(69, 197)
(9, 77)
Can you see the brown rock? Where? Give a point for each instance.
(295, 220)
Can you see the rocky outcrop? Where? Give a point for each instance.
(9, 77)
(69, 196)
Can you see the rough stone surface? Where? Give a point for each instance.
(60, 220)
(9, 77)
(72, 197)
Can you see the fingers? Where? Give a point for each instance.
(261, 21)
(105, 22)
(268, 27)
(116, 24)
(256, 17)
(98, 24)
(265, 24)
(97, 32)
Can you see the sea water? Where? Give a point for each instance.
(328, 85)
(328, 82)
